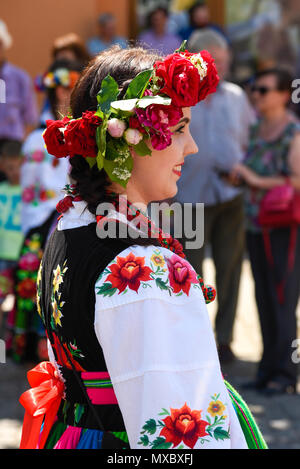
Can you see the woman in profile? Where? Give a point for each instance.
(124, 314)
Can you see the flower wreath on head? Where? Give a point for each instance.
(60, 77)
(151, 105)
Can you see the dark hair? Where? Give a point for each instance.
(56, 65)
(164, 10)
(123, 65)
(283, 76)
(193, 8)
(11, 148)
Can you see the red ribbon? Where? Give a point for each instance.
(41, 404)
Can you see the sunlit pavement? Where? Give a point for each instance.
(278, 417)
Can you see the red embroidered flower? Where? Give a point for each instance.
(184, 425)
(181, 274)
(54, 138)
(27, 288)
(80, 135)
(63, 355)
(129, 271)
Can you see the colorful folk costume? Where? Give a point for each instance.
(42, 179)
(133, 361)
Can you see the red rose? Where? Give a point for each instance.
(181, 274)
(209, 84)
(54, 138)
(129, 271)
(184, 425)
(134, 123)
(180, 79)
(80, 135)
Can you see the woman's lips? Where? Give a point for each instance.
(177, 169)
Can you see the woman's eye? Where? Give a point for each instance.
(180, 130)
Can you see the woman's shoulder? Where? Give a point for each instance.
(141, 272)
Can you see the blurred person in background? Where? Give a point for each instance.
(42, 179)
(272, 160)
(70, 47)
(220, 127)
(18, 114)
(106, 36)
(157, 37)
(199, 18)
(11, 236)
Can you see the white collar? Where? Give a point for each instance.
(78, 215)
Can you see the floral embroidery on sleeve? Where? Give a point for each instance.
(173, 275)
(181, 274)
(185, 426)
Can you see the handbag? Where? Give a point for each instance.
(280, 208)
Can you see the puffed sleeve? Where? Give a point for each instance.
(152, 323)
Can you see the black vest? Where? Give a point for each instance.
(81, 257)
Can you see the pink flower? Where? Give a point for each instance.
(116, 127)
(28, 194)
(181, 274)
(161, 140)
(133, 136)
(29, 262)
(158, 116)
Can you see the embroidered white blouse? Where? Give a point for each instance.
(152, 323)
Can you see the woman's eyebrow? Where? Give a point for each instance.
(186, 120)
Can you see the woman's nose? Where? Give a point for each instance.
(192, 147)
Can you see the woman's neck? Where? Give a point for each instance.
(133, 196)
(275, 115)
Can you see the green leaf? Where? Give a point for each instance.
(161, 443)
(162, 285)
(78, 412)
(221, 434)
(138, 85)
(147, 100)
(124, 105)
(144, 440)
(117, 172)
(182, 47)
(101, 143)
(91, 161)
(164, 412)
(106, 290)
(142, 148)
(109, 92)
(150, 426)
(117, 148)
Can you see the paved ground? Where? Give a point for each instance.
(278, 417)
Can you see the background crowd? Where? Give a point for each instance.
(251, 131)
